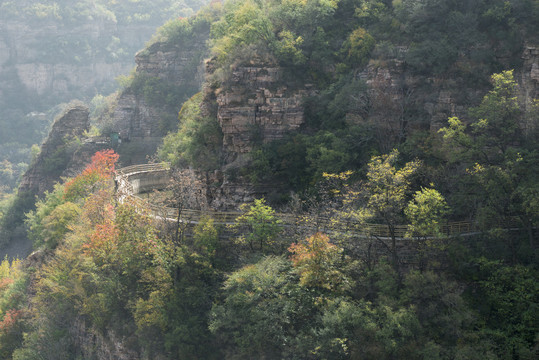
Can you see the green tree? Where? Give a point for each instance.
(387, 190)
(327, 153)
(439, 306)
(206, 237)
(198, 140)
(363, 330)
(507, 298)
(501, 167)
(35, 219)
(495, 128)
(358, 47)
(245, 24)
(257, 225)
(186, 297)
(261, 312)
(57, 223)
(426, 214)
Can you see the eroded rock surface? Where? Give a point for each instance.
(256, 102)
(57, 150)
(140, 120)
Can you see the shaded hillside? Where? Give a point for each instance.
(343, 116)
(52, 52)
(168, 72)
(304, 88)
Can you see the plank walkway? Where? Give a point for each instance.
(126, 193)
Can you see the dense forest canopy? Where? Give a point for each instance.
(327, 284)
(329, 43)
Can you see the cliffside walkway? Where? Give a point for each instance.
(136, 179)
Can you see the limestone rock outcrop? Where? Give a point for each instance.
(399, 102)
(138, 119)
(94, 345)
(180, 63)
(529, 76)
(57, 150)
(83, 154)
(257, 102)
(27, 51)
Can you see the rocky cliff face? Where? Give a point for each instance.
(180, 63)
(93, 345)
(171, 70)
(256, 102)
(45, 56)
(57, 151)
(399, 102)
(529, 76)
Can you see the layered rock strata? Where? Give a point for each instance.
(28, 53)
(57, 151)
(398, 102)
(256, 103)
(138, 121)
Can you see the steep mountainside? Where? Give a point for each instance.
(294, 99)
(56, 152)
(167, 73)
(374, 166)
(281, 126)
(52, 52)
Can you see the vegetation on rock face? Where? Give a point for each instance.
(67, 14)
(309, 36)
(327, 44)
(500, 159)
(320, 282)
(258, 226)
(77, 34)
(198, 141)
(334, 297)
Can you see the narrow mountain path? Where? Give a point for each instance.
(135, 179)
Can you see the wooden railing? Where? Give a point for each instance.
(125, 193)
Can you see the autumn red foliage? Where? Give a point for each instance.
(10, 319)
(98, 171)
(5, 282)
(103, 241)
(103, 162)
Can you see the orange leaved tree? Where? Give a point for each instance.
(95, 176)
(317, 261)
